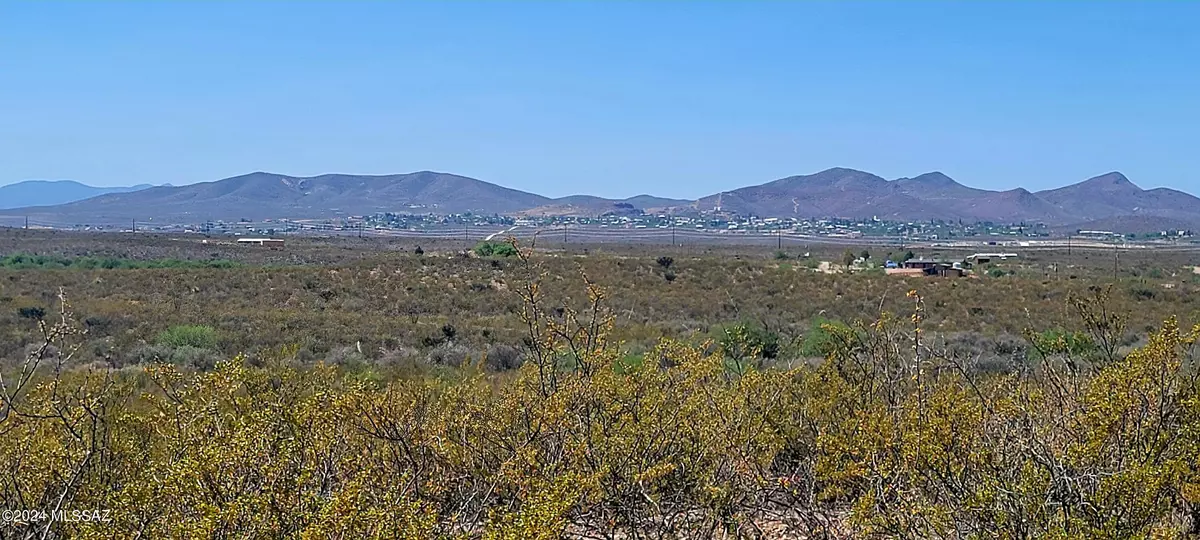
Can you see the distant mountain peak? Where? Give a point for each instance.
(933, 178)
(844, 173)
(842, 170)
(839, 176)
(1111, 181)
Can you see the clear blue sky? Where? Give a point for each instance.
(611, 98)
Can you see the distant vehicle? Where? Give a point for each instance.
(890, 264)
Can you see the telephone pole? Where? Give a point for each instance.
(1116, 260)
(779, 238)
(27, 222)
(135, 225)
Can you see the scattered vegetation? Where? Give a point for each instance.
(445, 396)
(890, 435)
(22, 261)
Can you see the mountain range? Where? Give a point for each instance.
(855, 194)
(51, 192)
(1110, 200)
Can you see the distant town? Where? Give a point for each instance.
(637, 226)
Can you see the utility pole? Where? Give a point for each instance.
(27, 222)
(779, 238)
(135, 225)
(1068, 245)
(1116, 260)
(673, 244)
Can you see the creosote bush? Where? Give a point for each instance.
(891, 436)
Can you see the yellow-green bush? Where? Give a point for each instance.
(889, 437)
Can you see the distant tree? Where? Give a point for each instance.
(781, 255)
(848, 257)
(908, 255)
(419, 251)
(865, 254)
(665, 261)
(495, 249)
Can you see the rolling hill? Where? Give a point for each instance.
(51, 192)
(1109, 199)
(1112, 195)
(262, 195)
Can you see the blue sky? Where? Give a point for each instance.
(610, 98)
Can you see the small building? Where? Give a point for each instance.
(927, 267)
(923, 264)
(952, 271)
(265, 242)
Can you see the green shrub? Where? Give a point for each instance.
(819, 341)
(1143, 293)
(1063, 342)
(200, 337)
(36, 313)
(743, 341)
(495, 249)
